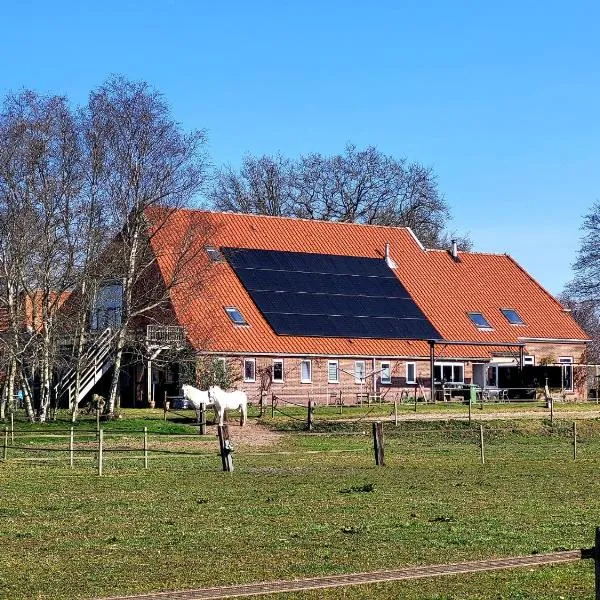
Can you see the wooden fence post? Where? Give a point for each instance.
(100, 451)
(470, 403)
(202, 424)
(12, 427)
(482, 449)
(309, 417)
(165, 407)
(71, 457)
(225, 448)
(145, 447)
(574, 440)
(5, 443)
(551, 402)
(97, 422)
(378, 443)
(272, 405)
(597, 563)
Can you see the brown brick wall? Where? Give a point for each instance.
(321, 391)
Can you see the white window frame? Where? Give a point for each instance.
(278, 360)
(306, 361)
(251, 361)
(231, 310)
(414, 379)
(529, 361)
(567, 361)
(362, 379)
(388, 379)
(337, 371)
(449, 364)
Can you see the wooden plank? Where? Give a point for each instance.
(333, 581)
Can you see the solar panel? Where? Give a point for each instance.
(325, 295)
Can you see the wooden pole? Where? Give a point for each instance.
(165, 407)
(309, 416)
(97, 422)
(551, 401)
(481, 446)
(12, 427)
(5, 443)
(597, 563)
(272, 405)
(145, 447)
(225, 448)
(202, 423)
(470, 403)
(574, 440)
(100, 451)
(378, 443)
(71, 446)
(341, 403)
(396, 412)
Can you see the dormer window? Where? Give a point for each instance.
(214, 254)
(235, 315)
(512, 316)
(479, 320)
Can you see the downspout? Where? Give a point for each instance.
(374, 378)
(431, 369)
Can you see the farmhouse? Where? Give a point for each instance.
(310, 309)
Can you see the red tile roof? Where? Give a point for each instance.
(444, 289)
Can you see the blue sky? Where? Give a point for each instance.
(502, 101)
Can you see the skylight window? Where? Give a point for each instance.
(512, 316)
(235, 315)
(214, 254)
(479, 320)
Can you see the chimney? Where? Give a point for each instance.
(388, 259)
(454, 252)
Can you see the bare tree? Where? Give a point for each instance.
(364, 186)
(149, 163)
(41, 178)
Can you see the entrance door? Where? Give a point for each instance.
(479, 375)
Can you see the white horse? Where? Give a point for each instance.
(196, 398)
(229, 401)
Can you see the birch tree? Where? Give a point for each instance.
(149, 163)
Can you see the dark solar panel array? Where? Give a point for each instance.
(323, 295)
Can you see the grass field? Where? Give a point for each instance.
(289, 511)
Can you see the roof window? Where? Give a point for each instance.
(214, 254)
(235, 315)
(479, 320)
(512, 316)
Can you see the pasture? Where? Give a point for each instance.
(301, 505)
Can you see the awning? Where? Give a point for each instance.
(504, 361)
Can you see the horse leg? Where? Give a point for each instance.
(243, 414)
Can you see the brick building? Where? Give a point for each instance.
(466, 313)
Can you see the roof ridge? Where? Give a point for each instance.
(290, 218)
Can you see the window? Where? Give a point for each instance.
(305, 371)
(512, 316)
(278, 370)
(454, 372)
(528, 360)
(411, 372)
(479, 320)
(235, 315)
(567, 372)
(249, 370)
(107, 307)
(333, 371)
(386, 373)
(359, 371)
(214, 255)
